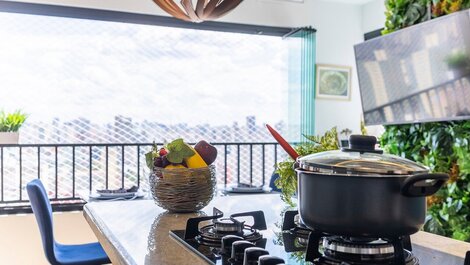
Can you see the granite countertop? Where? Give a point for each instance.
(137, 232)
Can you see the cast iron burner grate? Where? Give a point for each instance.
(338, 250)
(211, 235)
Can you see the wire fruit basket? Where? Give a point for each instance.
(183, 189)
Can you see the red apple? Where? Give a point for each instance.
(207, 151)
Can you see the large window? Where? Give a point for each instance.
(85, 81)
(91, 81)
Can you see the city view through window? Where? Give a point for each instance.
(85, 81)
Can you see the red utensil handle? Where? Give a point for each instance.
(284, 144)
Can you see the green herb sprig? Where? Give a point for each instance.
(150, 156)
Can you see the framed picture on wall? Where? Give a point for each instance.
(333, 82)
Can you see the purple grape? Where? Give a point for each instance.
(165, 161)
(158, 161)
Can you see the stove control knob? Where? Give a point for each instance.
(270, 260)
(238, 250)
(252, 254)
(227, 242)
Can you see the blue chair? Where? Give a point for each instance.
(272, 181)
(58, 254)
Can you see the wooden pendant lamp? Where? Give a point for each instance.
(205, 9)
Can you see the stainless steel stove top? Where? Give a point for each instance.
(290, 244)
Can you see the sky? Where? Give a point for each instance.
(69, 68)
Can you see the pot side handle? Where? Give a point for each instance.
(430, 184)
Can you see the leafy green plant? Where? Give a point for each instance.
(444, 7)
(404, 13)
(287, 180)
(443, 147)
(11, 122)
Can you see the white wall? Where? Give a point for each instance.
(373, 16)
(339, 27)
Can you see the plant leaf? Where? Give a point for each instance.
(178, 150)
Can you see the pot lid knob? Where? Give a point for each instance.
(362, 144)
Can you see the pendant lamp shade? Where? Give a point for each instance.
(197, 11)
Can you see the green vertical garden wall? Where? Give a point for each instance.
(443, 146)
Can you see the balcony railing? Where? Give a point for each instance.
(68, 169)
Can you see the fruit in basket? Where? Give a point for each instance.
(207, 151)
(173, 166)
(162, 152)
(161, 161)
(195, 161)
(179, 154)
(158, 162)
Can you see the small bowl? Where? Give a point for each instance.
(183, 189)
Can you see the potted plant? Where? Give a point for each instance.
(10, 123)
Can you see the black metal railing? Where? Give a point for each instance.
(69, 169)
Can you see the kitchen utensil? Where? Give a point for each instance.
(359, 191)
(284, 144)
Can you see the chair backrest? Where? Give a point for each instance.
(43, 211)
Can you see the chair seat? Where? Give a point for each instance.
(86, 254)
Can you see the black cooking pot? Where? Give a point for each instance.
(361, 192)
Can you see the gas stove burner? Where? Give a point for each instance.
(339, 250)
(360, 247)
(211, 235)
(409, 260)
(362, 250)
(228, 225)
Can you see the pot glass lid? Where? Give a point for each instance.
(360, 157)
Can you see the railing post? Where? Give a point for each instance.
(122, 166)
(251, 164)
(238, 163)
(138, 165)
(73, 171)
(263, 162)
(56, 165)
(39, 162)
(21, 173)
(90, 166)
(107, 166)
(225, 164)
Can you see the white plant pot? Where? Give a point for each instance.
(9, 137)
